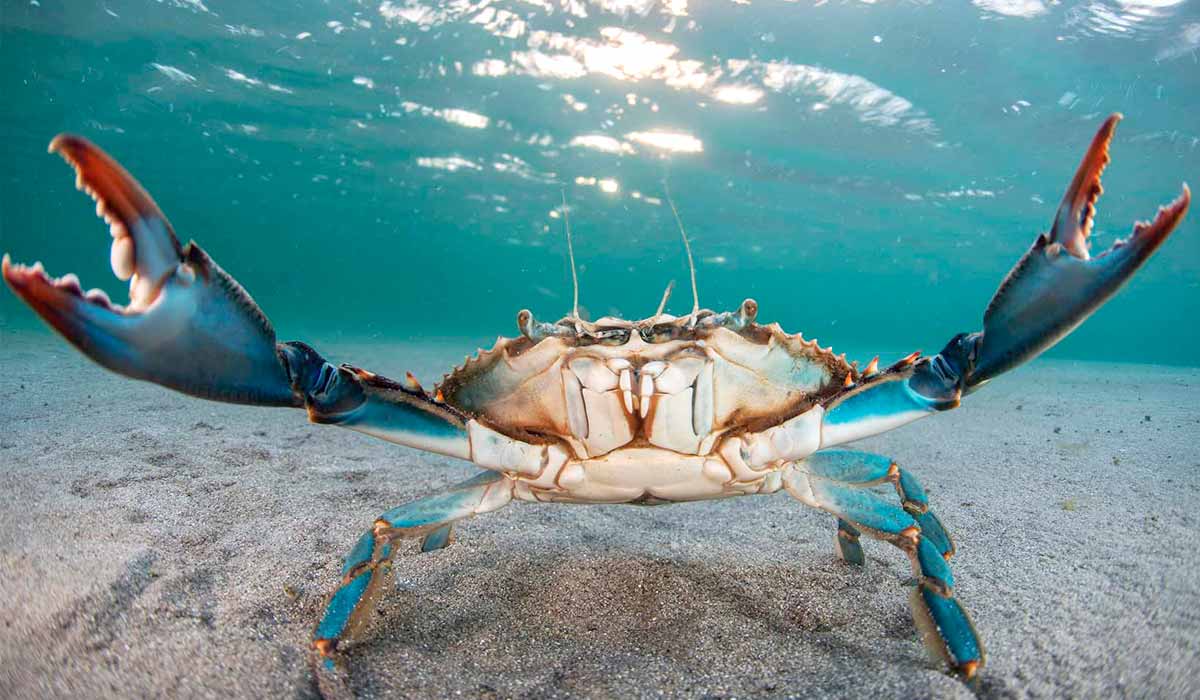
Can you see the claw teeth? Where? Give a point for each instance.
(1168, 215)
(873, 367)
(121, 257)
(141, 291)
(99, 297)
(70, 283)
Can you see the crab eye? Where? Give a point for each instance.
(615, 336)
(604, 336)
(661, 333)
(750, 309)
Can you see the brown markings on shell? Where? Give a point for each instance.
(520, 411)
(461, 376)
(899, 370)
(757, 416)
(461, 386)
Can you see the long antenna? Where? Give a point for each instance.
(687, 246)
(666, 295)
(571, 255)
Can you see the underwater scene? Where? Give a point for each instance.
(604, 205)
(867, 172)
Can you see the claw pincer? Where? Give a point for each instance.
(1057, 284)
(1052, 288)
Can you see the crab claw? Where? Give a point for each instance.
(1057, 284)
(188, 325)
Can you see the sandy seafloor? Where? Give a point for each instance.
(155, 545)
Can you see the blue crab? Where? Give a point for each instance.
(662, 410)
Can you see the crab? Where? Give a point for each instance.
(661, 410)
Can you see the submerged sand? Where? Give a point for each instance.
(156, 545)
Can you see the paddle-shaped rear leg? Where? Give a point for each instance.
(944, 624)
(368, 568)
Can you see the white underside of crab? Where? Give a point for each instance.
(739, 465)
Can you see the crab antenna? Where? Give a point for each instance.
(666, 295)
(571, 255)
(687, 246)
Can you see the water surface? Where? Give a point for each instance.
(395, 170)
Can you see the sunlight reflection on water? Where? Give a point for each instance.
(808, 143)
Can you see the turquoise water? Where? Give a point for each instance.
(868, 172)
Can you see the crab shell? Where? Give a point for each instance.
(676, 385)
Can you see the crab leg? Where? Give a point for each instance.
(865, 469)
(438, 539)
(1053, 288)
(945, 626)
(846, 544)
(368, 568)
(190, 327)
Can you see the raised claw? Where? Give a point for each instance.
(1057, 284)
(188, 325)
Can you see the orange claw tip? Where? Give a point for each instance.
(1169, 216)
(439, 397)
(849, 381)
(1150, 235)
(1073, 221)
(6, 267)
(56, 143)
(117, 193)
(18, 275)
(9, 270)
